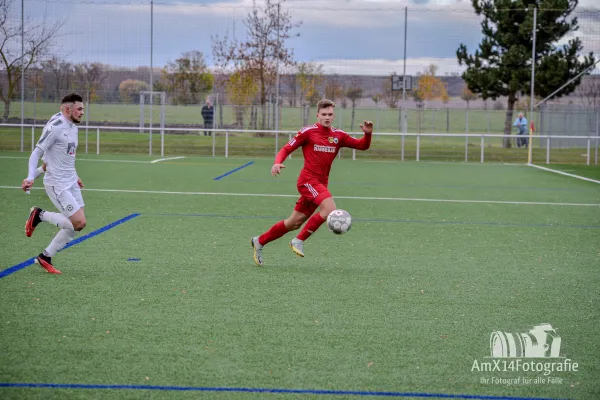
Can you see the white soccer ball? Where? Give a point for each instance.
(339, 221)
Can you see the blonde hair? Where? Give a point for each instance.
(324, 104)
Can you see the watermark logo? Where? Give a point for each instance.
(537, 351)
(541, 341)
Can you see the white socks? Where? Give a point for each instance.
(61, 239)
(57, 219)
(64, 236)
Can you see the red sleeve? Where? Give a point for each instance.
(360, 144)
(290, 147)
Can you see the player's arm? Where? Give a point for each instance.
(289, 148)
(36, 154)
(46, 141)
(364, 142)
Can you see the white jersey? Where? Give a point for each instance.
(59, 143)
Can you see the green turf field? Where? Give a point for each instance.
(440, 255)
(387, 120)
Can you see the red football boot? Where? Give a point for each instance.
(46, 263)
(32, 221)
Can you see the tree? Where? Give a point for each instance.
(187, 78)
(129, 90)
(589, 91)
(431, 87)
(62, 75)
(310, 76)
(241, 91)
(467, 95)
(38, 40)
(501, 66)
(90, 77)
(333, 88)
(262, 51)
(391, 97)
(353, 93)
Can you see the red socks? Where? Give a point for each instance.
(311, 226)
(276, 231)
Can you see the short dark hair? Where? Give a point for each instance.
(324, 104)
(72, 98)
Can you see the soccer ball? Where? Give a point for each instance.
(339, 221)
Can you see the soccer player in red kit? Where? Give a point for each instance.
(320, 144)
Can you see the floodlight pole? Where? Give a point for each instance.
(404, 70)
(22, 72)
(532, 96)
(151, 71)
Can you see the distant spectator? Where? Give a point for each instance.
(208, 114)
(521, 124)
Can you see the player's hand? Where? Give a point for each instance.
(26, 185)
(276, 169)
(367, 127)
(80, 183)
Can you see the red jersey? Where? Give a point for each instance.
(320, 145)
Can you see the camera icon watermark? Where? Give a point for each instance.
(534, 352)
(541, 341)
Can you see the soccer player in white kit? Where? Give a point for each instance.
(58, 145)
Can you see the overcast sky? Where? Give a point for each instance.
(346, 36)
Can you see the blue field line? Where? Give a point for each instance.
(267, 390)
(232, 171)
(405, 221)
(90, 235)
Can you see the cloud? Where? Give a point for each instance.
(344, 35)
(385, 67)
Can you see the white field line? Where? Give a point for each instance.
(564, 173)
(528, 203)
(86, 159)
(165, 159)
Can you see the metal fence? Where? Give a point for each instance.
(168, 142)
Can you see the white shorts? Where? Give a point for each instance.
(68, 201)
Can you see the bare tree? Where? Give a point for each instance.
(90, 77)
(391, 97)
(61, 74)
(589, 91)
(267, 29)
(354, 93)
(38, 39)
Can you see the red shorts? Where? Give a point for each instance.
(311, 197)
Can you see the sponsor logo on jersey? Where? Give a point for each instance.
(71, 148)
(324, 149)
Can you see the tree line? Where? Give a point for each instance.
(255, 72)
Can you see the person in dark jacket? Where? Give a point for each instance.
(208, 113)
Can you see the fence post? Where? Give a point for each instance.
(466, 148)
(32, 137)
(418, 146)
(548, 150)
(587, 162)
(402, 159)
(226, 144)
(482, 147)
(97, 141)
(289, 140)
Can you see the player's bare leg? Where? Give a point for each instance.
(293, 222)
(314, 222)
